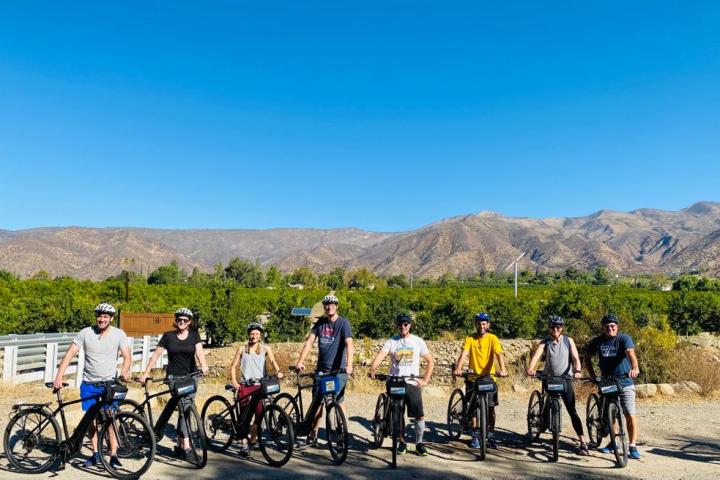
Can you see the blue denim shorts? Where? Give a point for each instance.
(340, 396)
(92, 390)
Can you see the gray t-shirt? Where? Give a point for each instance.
(101, 353)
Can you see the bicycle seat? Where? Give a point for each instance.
(229, 387)
(50, 384)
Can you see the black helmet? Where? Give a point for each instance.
(403, 317)
(255, 326)
(555, 320)
(482, 317)
(610, 318)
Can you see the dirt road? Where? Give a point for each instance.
(679, 439)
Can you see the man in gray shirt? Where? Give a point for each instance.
(100, 345)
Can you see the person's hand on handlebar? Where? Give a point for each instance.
(299, 366)
(371, 373)
(530, 372)
(501, 373)
(634, 373)
(142, 378)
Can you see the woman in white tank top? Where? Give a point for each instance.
(250, 357)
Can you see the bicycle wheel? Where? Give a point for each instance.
(456, 414)
(534, 416)
(555, 413)
(378, 422)
(593, 419)
(618, 434)
(198, 443)
(289, 405)
(218, 420)
(31, 440)
(134, 442)
(396, 417)
(481, 413)
(275, 435)
(337, 432)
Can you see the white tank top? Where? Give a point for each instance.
(252, 364)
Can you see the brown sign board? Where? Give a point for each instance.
(137, 324)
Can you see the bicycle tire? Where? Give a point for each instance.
(555, 413)
(379, 421)
(219, 422)
(289, 405)
(456, 415)
(396, 416)
(593, 420)
(34, 440)
(481, 413)
(135, 444)
(534, 416)
(618, 434)
(198, 442)
(337, 432)
(276, 435)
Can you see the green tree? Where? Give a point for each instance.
(167, 275)
(246, 274)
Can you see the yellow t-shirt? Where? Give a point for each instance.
(482, 352)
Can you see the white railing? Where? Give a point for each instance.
(35, 357)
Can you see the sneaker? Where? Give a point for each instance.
(634, 454)
(92, 460)
(609, 448)
(492, 443)
(115, 462)
(583, 450)
(402, 448)
(244, 450)
(420, 450)
(475, 442)
(179, 452)
(191, 456)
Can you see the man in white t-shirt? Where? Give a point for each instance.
(405, 351)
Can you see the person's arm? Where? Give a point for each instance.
(350, 352)
(535, 359)
(501, 362)
(153, 360)
(635, 368)
(460, 362)
(588, 364)
(234, 367)
(577, 366)
(271, 357)
(377, 361)
(428, 369)
(72, 351)
(127, 360)
(300, 365)
(200, 353)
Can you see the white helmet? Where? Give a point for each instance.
(330, 299)
(105, 308)
(184, 312)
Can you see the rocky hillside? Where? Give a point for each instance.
(644, 240)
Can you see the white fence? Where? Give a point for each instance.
(35, 357)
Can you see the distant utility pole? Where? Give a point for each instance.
(411, 278)
(515, 262)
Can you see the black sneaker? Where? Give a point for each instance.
(420, 450)
(179, 452)
(492, 443)
(115, 462)
(402, 448)
(191, 456)
(92, 460)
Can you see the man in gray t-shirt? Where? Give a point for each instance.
(100, 345)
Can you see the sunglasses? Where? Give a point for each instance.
(556, 327)
(610, 325)
(404, 324)
(183, 320)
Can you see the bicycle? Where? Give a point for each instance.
(545, 410)
(34, 429)
(336, 429)
(389, 418)
(225, 422)
(179, 387)
(463, 407)
(604, 416)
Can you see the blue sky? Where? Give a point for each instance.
(379, 115)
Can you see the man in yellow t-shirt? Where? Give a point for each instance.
(484, 350)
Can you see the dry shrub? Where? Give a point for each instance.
(699, 366)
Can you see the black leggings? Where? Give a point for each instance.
(568, 397)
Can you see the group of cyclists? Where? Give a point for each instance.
(483, 352)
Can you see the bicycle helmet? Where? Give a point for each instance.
(184, 312)
(105, 308)
(610, 318)
(403, 317)
(482, 317)
(255, 326)
(555, 320)
(330, 299)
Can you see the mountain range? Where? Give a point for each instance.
(639, 241)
